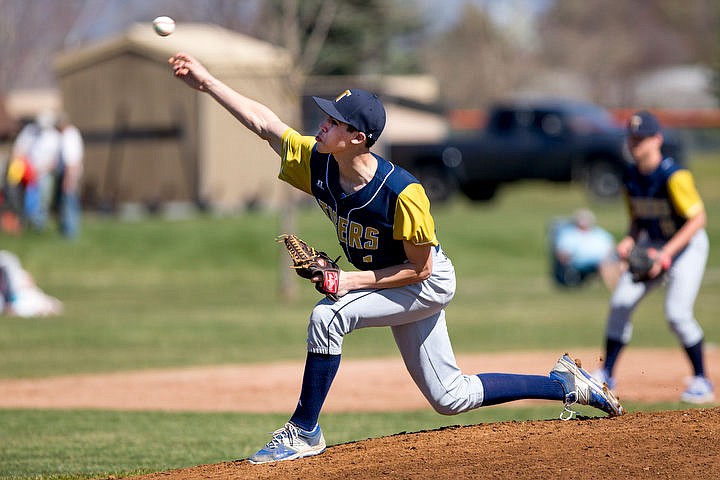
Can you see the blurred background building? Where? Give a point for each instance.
(151, 140)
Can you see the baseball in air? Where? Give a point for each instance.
(164, 26)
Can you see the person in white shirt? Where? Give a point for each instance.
(69, 172)
(39, 143)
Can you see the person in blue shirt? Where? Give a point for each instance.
(582, 248)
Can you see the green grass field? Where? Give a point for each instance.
(154, 294)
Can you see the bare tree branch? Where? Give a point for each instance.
(291, 28)
(318, 35)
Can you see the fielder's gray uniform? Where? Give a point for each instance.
(683, 284)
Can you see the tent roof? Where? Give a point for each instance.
(223, 51)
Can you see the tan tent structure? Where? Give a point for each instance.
(151, 140)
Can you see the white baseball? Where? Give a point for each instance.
(164, 26)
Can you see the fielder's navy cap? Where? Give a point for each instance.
(359, 108)
(643, 124)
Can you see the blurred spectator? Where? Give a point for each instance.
(34, 158)
(580, 248)
(69, 172)
(9, 201)
(19, 295)
(18, 173)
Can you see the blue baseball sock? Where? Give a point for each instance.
(506, 387)
(320, 370)
(695, 354)
(612, 351)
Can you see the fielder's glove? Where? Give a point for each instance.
(313, 265)
(641, 260)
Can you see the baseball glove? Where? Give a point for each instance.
(313, 265)
(640, 262)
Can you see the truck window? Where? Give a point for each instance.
(504, 121)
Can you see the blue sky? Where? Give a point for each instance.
(447, 12)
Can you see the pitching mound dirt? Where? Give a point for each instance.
(675, 444)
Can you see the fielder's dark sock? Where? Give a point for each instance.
(506, 387)
(320, 370)
(695, 354)
(612, 351)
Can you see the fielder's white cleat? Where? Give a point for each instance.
(699, 391)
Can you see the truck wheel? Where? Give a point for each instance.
(479, 191)
(604, 179)
(438, 185)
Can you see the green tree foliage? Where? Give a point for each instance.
(364, 36)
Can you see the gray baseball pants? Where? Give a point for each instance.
(416, 316)
(683, 284)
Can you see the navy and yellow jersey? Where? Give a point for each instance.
(661, 203)
(371, 223)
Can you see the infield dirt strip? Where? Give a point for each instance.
(674, 444)
(360, 385)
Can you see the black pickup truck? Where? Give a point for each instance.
(559, 141)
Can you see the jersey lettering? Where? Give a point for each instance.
(331, 214)
(354, 233)
(372, 238)
(342, 230)
(650, 207)
(655, 209)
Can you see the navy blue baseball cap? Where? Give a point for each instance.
(643, 124)
(359, 108)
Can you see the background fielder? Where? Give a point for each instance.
(668, 215)
(403, 279)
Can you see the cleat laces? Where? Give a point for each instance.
(568, 413)
(287, 435)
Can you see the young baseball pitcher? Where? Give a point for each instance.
(402, 278)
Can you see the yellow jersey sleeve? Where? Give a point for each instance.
(413, 221)
(295, 160)
(684, 195)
